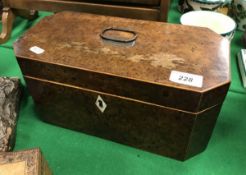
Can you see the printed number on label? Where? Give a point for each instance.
(186, 78)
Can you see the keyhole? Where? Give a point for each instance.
(100, 103)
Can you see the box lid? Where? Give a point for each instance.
(171, 65)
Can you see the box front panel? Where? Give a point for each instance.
(202, 130)
(134, 123)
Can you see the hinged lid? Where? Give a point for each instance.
(176, 66)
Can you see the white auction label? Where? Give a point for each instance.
(186, 78)
(37, 50)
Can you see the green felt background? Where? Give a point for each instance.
(73, 153)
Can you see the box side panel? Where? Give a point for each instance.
(214, 96)
(134, 123)
(202, 131)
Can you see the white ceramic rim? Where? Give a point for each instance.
(210, 2)
(197, 18)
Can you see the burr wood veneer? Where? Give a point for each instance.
(117, 83)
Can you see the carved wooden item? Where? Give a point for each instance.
(112, 79)
(140, 9)
(28, 162)
(9, 103)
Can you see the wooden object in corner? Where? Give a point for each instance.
(28, 162)
(155, 10)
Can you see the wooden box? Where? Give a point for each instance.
(151, 85)
(28, 162)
